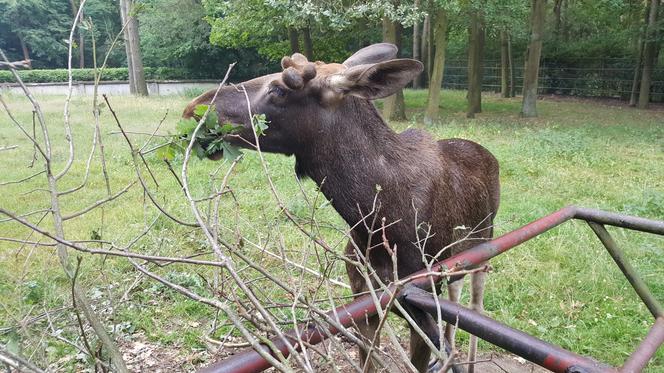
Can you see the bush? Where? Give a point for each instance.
(87, 75)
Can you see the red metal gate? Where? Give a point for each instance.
(540, 352)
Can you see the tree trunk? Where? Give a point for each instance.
(504, 65)
(531, 73)
(563, 24)
(394, 106)
(435, 85)
(424, 47)
(125, 34)
(649, 53)
(81, 45)
(26, 51)
(557, 14)
(430, 50)
(475, 63)
(136, 59)
(136, 71)
(308, 45)
(510, 58)
(633, 97)
(81, 38)
(417, 82)
(294, 40)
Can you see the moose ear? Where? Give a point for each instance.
(372, 54)
(377, 80)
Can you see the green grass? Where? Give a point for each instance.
(561, 286)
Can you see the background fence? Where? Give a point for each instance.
(611, 77)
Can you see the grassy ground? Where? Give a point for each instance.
(562, 286)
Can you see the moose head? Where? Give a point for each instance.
(308, 96)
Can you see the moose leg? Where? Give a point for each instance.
(367, 326)
(477, 280)
(454, 294)
(419, 352)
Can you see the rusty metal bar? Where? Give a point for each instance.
(250, 361)
(533, 349)
(640, 357)
(632, 275)
(619, 220)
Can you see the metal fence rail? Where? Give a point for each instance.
(548, 356)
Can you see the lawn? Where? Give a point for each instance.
(562, 286)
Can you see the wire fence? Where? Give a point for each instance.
(589, 78)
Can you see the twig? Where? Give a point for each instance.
(98, 203)
(24, 179)
(138, 173)
(17, 362)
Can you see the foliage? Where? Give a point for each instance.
(209, 137)
(174, 34)
(242, 24)
(45, 31)
(44, 26)
(87, 75)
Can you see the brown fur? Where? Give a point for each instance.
(340, 141)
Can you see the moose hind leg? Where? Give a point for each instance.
(477, 280)
(367, 328)
(419, 352)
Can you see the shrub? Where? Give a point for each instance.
(87, 75)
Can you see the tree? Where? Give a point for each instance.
(81, 36)
(394, 107)
(41, 28)
(425, 47)
(531, 73)
(649, 53)
(435, 85)
(506, 81)
(308, 44)
(294, 40)
(242, 24)
(137, 81)
(417, 83)
(476, 36)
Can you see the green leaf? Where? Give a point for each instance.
(229, 128)
(215, 146)
(167, 152)
(35, 293)
(186, 126)
(212, 120)
(200, 152)
(200, 110)
(231, 152)
(260, 123)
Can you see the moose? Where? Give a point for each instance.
(429, 191)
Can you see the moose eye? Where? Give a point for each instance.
(277, 91)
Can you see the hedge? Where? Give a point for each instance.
(87, 75)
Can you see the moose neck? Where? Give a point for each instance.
(353, 154)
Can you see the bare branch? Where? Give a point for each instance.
(98, 203)
(22, 180)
